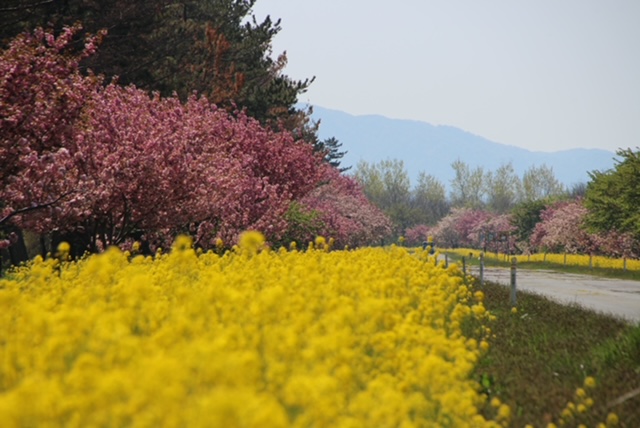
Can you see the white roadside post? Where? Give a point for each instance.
(513, 281)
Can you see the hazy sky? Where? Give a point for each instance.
(544, 75)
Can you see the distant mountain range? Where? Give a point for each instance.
(432, 149)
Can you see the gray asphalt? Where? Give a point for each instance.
(620, 298)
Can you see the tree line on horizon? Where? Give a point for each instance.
(387, 184)
(500, 211)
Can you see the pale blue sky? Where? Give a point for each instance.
(543, 75)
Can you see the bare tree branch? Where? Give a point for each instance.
(31, 208)
(624, 398)
(24, 7)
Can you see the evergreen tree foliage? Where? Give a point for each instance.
(330, 148)
(214, 47)
(525, 216)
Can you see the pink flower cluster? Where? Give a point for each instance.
(347, 215)
(471, 228)
(563, 229)
(114, 163)
(417, 235)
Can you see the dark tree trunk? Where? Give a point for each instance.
(18, 251)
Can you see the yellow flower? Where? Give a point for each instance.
(182, 242)
(251, 241)
(589, 382)
(504, 412)
(514, 310)
(612, 419)
(64, 247)
(478, 309)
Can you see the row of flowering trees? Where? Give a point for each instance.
(561, 227)
(467, 227)
(102, 164)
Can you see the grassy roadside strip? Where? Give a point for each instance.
(543, 351)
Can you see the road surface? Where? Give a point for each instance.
(617, 297)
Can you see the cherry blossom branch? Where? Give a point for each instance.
(31, 208)
(23, 7)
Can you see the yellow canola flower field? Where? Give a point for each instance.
(583, 260)
(365, 338)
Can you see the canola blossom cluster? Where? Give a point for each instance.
(583, 260)
(251, 338)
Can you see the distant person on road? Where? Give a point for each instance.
(429, 243)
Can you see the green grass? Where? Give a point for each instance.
(542, 353)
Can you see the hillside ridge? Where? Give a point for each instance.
(424, 147)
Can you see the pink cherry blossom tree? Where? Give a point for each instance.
(143, 163)
(562, 229)
(616, 244)
(457, 228)
(418, 234)
(345, 213)
(42, 96)
(467, 227)
(495, 233)
(108, 164)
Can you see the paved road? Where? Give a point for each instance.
(618, 297)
